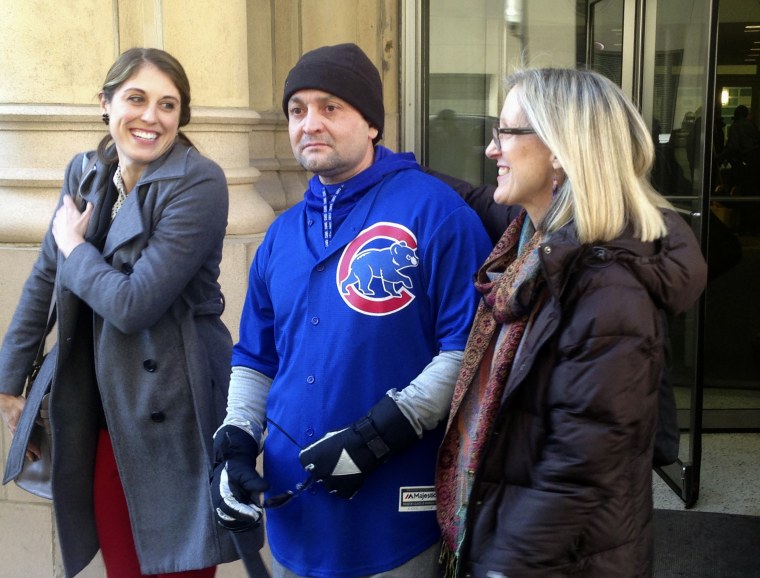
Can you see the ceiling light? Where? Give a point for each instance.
(724, 97)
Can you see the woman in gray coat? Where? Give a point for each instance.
(132, 260)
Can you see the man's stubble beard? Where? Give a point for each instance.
(321, 166)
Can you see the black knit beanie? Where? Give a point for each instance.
(345, 71)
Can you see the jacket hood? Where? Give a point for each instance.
(672, 269)
(385, 163)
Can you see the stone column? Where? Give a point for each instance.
(54, 56)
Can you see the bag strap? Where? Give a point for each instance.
(41, 349)
(87, 165)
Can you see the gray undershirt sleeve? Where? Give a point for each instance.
(247, 401)
(425, 402)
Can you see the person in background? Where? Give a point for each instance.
(358, 308)
(742, 151)
(546, 465)
(132, 260)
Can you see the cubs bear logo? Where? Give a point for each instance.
(370, 274)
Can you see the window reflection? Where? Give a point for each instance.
(472, 45)
(605, 44)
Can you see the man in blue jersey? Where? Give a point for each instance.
(358, 309)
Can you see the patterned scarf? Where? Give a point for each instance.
(508, 301)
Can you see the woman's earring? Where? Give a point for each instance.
(555, 185)
(106, 118)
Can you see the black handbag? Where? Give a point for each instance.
(34, 425)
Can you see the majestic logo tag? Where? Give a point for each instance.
(416, 499)
(370, 274)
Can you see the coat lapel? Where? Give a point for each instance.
(129, 222)
(93, 188)
(127, 225)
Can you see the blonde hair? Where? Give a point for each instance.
(604, 147)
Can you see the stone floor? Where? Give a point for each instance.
(729, 476)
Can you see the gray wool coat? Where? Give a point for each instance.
(140, 322)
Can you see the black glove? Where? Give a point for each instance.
(236, 485)
(342, 459)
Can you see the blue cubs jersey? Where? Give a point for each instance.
(336, 327)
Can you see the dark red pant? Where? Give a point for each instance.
(112, 520)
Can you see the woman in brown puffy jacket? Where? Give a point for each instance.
(546, 467)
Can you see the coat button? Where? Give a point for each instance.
(310, 379)
(315, 320)
(126, 268)
(158, 416)
(150, 365)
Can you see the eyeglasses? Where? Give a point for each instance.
(281, 499)
(498, 131)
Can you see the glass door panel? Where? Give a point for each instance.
(676, 90)
(470, 47)
(732, 312)
(605, 39)
(463, 77)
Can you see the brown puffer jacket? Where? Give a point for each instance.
(565, 484)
